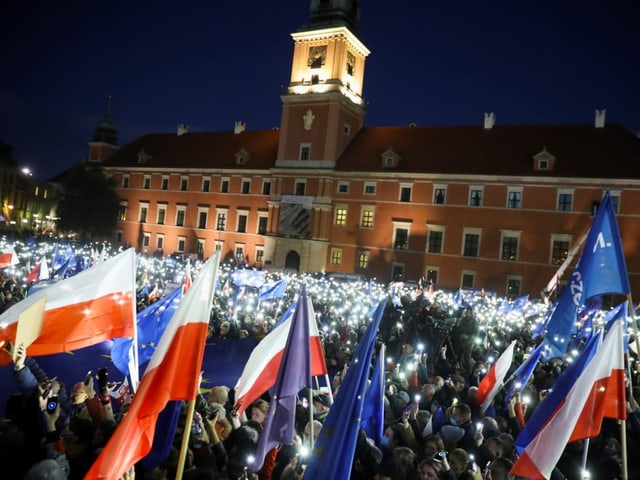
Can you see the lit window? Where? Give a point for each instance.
(341, 216)
(336, 256)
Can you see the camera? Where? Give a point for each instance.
(443, 454)
(52, 404)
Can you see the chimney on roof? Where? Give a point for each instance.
(489, 120)
(182, 129)
(239, 127)
(600, 118)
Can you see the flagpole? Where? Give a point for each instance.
(553, 282)
(191, 406)
(135, 374)
(623, 423)
(632, 314)
(585, 452)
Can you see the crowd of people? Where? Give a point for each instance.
(438, 349)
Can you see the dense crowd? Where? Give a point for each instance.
(439, 345)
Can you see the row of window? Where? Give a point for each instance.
(564, 201)
(245, 185)
(509, 244)
(242, 217)
(467, 279)
(181, 245)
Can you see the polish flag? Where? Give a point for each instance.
(39, 272)
(492, 382)
(261, 370)
(173, 374)
(9, 258)
(96, 305)
(589, 390)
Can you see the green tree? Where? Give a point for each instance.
(89, 204)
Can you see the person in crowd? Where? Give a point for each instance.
(321, 406)
(432, 469)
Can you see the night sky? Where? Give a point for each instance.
(209, 63)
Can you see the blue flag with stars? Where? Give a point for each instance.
(333, 453)
(151, 323)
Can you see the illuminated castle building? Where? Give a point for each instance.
(485, 206)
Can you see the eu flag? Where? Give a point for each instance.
(334, 451)
(151, 323)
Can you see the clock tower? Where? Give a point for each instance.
(323, 106)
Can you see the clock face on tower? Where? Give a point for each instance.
(317, 56)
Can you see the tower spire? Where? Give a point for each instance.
(334, 13)
(106, 131)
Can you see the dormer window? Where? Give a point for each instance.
(390, 159)
(242, 157)
(543, 161)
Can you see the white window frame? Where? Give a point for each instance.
(506, 286)
(435, 228)
(304, 146)
(206, 179)
(262, 215)
(204, 210)
(245, 180)
(162, 207)
(145, 206)
(401, 226)
(436, 187)
(558, 237)
(222, 182)
(402, 186)
(342, 184)
(336, 253)
(471, 231)
(514, 190)
(297, 182)
(367, 208)
(510, 233)
(162, 180)
(182, 179)
(160, 240)
(242, 212)
(393, 267)
(471, 273)
(181, 208)
(184, 243)
(566, 191)
(370, 184)
(336, 209)
(224, 211)
(476, 188)
(260, 253)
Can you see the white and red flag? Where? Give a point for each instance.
(590, 389)
(492, 382)
(9, 258)
(96, 305)
(261, 370)
(39, 272)
(173, 373)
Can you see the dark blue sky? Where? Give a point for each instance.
(209, 63)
